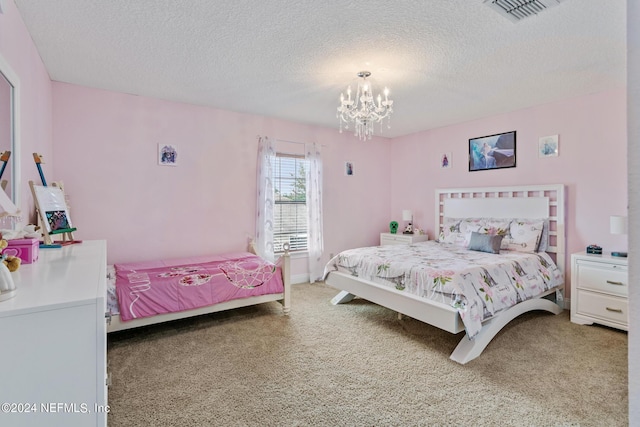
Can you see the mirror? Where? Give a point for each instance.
(9, 131)
(6, 137)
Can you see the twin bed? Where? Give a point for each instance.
(500, 253)
(141, 294)
(459, 284)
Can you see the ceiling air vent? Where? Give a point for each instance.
(517, 10)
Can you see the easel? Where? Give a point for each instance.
(52, 210)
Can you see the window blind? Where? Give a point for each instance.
(290, 210)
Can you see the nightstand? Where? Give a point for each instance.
(599, 290)
(401, 239)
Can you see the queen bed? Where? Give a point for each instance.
(141, 294)
(458, 283)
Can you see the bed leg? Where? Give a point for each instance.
(560, 298)
(286, 280)
(468, 350)
(342, 297)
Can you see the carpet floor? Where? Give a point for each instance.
(356, 364)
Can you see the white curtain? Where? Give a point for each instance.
(264, 216)
(315, 243)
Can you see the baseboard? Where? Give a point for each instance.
(299, 278)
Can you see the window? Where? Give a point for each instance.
(290, 210)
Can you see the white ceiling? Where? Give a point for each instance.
(445, 62)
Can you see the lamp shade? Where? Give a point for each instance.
(618, 224)
(407, 215)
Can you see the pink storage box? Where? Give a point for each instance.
(25, 249)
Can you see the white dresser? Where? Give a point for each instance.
(53, 340)
(401, 239)
(599, 290)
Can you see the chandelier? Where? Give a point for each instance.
(363, 111)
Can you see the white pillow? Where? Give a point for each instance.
(458, 230)
(450, 226)
(524, 235)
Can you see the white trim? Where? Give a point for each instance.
(300, 278)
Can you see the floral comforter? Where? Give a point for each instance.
(478, 284)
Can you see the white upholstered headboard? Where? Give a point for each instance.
(530, 201)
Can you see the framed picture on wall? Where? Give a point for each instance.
(548, 146)
(445, 160)
(167, 155)
(492, 152)
(348, 168)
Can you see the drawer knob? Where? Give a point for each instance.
(615, 310)
(611, 282)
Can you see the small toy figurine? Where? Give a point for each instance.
(408, 229)
(393, 227)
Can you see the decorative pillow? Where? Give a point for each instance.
(485, 242)
(457, 230)
(450, 226)
(544, 239)
(525, 235)
(471, 224)
(499, 226)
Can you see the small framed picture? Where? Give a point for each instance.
(348, 168)
(548, 146)
(445, 160)
(167, 155)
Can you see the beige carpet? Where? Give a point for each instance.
(356, 364)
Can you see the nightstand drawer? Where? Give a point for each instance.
(401, 239)
(394, 240)
(612, 279)
(606, 307)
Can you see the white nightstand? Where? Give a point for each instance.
(599, 290)
(401, 239)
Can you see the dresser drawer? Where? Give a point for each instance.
(609, 278)
(614, 309)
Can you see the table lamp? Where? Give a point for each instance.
(407, 215)
(618, 225)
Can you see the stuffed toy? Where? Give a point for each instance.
(12, 262)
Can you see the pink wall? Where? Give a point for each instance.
(591, 163)
(18, 50)
(106, 148)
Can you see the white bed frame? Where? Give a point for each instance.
(536, 201)
(114, 323)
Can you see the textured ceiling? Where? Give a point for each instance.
(445, 62)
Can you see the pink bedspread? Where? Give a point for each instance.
(150, 288)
